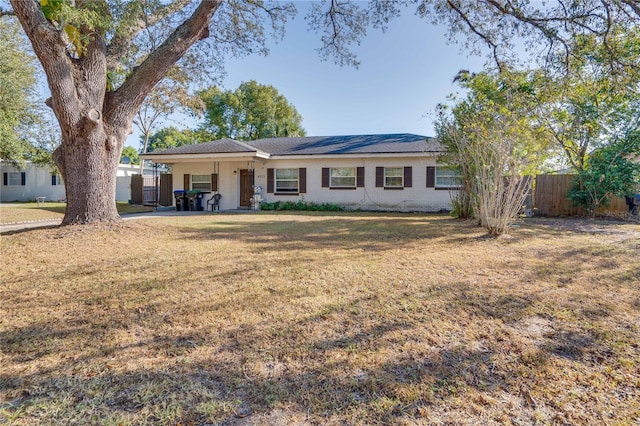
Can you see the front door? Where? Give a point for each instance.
(246, 187)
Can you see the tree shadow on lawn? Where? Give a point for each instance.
(374, 233)
(379, 373)
(243, 380)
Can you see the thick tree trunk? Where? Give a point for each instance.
(89, 170)
(95, 122)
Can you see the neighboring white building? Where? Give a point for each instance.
(397, 172)
(35, 181)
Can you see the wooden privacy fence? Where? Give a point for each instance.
(166, 190)
(137, 192)
(152, 190)
(551, 198)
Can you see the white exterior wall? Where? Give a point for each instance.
(38, 184)
(123, 188)
(228, 181)
(416, 198)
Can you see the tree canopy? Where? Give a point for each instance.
(611, 171)
(130, 154)
(547, 30)
(172, 137)
(19, 109)
(102, 59)
(250, 112)
(494, 138)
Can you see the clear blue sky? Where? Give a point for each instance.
(404, 73)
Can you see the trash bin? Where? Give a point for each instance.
(195, 200)
(181, 200)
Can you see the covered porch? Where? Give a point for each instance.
(227, 169)
(233, 180)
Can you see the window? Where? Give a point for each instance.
(286, 180)
(56, 179)
(201, 183)
(393, 177)
(448, 177)
(15, 179)
(343, 177)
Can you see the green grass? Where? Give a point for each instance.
(320, 318)
(24, 212)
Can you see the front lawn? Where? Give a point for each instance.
(25, 212)
(325, 318)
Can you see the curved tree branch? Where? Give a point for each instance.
(50, 48)
(633, 5)
(124, 35)
(125, 101)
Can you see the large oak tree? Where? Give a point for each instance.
(102, 59)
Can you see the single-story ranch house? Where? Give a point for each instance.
(395, 172)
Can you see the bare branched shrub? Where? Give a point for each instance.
(493, 189)
(500, 189)
(492, 139)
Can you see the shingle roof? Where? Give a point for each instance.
(220, 146)
(401, 143)
(355, 144)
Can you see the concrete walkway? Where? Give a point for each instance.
(132, 216)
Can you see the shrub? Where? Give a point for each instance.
(299, 205)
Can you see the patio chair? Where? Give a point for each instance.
(214, 202)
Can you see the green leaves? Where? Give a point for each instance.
(19, 112)
(252, 111)
(611, 171)
(77, 22)
(494, 138)
(51, 9)
(131, 153)
(594, 103)
(171, 137)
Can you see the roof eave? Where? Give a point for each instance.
(167, 158)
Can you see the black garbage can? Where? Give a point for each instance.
(195, 200)
(181, 200)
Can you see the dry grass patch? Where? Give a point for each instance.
(320, 319)
(25, 212)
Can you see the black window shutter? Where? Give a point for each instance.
(5, 178)
(302, 180)
(187, 182)
(431, 177)
(214, 182)
(379, 177)
(270, 181)
(325, 177)
(408, 177)
(53, 180)
(23, 178)
(360, 177)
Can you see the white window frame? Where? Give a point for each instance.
(201, 183)
(456, 176)
(59, 181)
(288, 189)
(387, 176)
(11, 179)
(352, 170)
